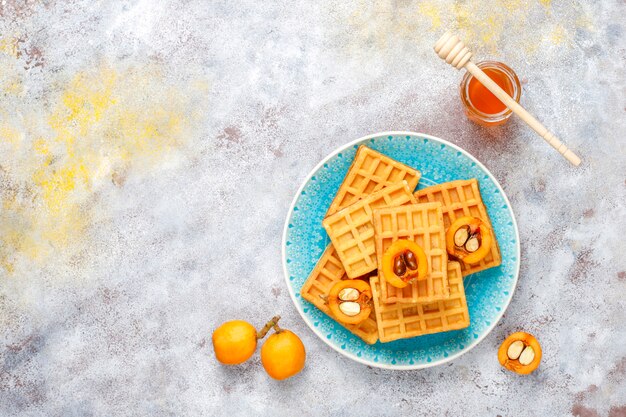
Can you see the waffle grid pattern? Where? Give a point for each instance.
(326, 273)
(401, 321)
(462, 198)
(423, 224)
(351, 230)
(371, 171)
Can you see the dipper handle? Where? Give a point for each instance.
(452, 50)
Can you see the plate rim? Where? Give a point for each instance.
(292, 294)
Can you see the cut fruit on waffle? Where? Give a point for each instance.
(462, 198)
(371, 171)
(422, 224)
(401, 321)
(351, 230)
(326, 273)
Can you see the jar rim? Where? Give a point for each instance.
(516, 93)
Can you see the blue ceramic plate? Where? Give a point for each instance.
(488, 292)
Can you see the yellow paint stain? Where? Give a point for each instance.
(103, 121)
(512, 5)
(584, 22)
(13, 86)
(40, 146)
(57, 185)
(8, 46)
(430, 10)
(12, 238)
(483, 24)
(9, 134)
(7, 265)
(559, 35)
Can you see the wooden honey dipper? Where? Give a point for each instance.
(452, 50)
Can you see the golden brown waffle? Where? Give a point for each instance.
(371, 171)
(325, 274)
(401, 321)
(462, 198)
(351, 230)
(423, 224)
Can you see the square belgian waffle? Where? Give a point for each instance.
(423, 224)
(325, 274)
(351, 230)
(462, 198)
(401, 321)
(371, 171)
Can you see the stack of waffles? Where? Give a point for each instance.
(374, 207)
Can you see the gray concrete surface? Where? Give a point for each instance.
(150, 149)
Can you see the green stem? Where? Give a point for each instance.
(272, 323)
(277, 329)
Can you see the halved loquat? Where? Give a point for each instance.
(520, 353)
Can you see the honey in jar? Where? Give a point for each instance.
(481, 105)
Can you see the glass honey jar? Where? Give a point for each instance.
(481, 106)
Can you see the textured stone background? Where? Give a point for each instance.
(149, 152)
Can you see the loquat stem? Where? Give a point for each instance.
(272, 323)
(277, 329)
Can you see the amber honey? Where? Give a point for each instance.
(481, 105)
